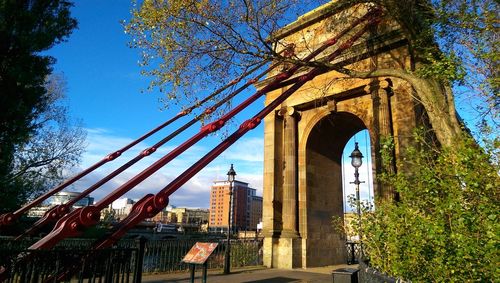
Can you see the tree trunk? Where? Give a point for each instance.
(436, 98)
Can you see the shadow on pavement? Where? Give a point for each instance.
(273, 280)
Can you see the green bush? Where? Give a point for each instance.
(445, 227)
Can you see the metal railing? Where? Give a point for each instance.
(353, 252)
(167, 255)
(127, 260)
(158, 255)
(111, 265)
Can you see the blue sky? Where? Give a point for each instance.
(104, 91)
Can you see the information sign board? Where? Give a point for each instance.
(199, 253)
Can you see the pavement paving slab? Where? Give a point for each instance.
(251, 275)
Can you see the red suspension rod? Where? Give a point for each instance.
(73, 223)
(58, 211)
(204, 131)
(9, 218)
(151, 205)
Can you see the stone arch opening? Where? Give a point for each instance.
(366, 173)
(323, 195)
(306, 135)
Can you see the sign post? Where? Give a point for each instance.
(198, 255)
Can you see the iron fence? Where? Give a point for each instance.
(354, 252)
(127, 260)
(158, 256)
(110, 265)
(167, 255)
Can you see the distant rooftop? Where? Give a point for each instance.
(226, 182)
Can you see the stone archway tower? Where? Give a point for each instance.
(305, 136)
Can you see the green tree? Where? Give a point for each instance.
(446, 227)
(446, 224)
(189, 45)
(53, 148)
(468, 31)
(26, 29)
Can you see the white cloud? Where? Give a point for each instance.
(251, 150)
(246, 154)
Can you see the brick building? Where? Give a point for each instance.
(247, 209)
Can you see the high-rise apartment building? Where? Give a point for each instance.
(246, 206)
(256, 214)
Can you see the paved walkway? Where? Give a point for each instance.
(252, 275)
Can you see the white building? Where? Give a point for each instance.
(58, 199)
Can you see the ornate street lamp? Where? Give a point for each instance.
(227, 259)
(356, 162)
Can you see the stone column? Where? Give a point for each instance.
(385, 120)
(287, 248)
(381, 92)
(290, 174)
(272, 187)
(386, 130)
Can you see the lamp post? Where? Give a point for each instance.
(356, 162)
(227, 259)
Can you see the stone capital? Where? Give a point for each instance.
(332, 106)
(288, 111)
(384, 83)
(381, 83)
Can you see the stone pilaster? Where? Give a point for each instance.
(290, 174)
(272, 193)
(380, 91)
(286, 245)
(385, 119)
